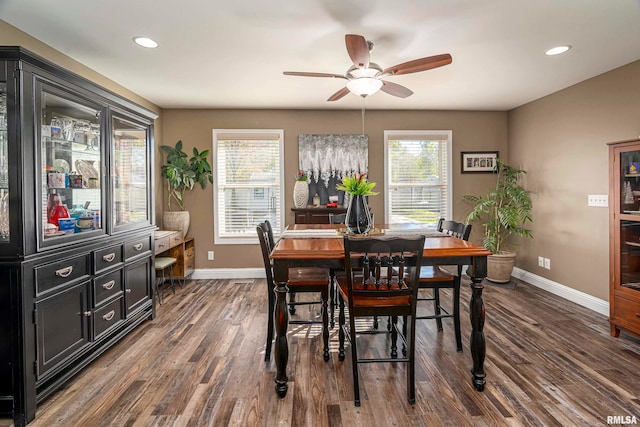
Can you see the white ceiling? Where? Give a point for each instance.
(231, 54)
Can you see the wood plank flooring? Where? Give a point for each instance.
(201, 363)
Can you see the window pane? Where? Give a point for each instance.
(418, 174)
(248, 185)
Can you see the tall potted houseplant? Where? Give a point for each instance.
(505, 212)
(358, 218)
(183, 173)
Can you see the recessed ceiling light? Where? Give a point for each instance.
(145, 42)
(557, 50)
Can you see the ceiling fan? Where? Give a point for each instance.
(364, 78)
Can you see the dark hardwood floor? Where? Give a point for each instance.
(200, 363)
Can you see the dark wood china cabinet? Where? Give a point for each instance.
(76, 226)
(624, 229)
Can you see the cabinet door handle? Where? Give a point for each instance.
(87, 314)
(637, 314)
(109, 284)
(128, 290)
(64, 272)
(109, 315)
(109, 257)
(138, 246)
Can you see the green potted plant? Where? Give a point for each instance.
(358, 218)
(183, 173)
(505, 211)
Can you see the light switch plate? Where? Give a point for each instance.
(598, 200)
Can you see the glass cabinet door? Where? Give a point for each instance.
(72, 158)
(630, 220)
(130, 173)
(4, 167)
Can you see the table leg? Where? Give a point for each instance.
(281, 317)
(476, 313)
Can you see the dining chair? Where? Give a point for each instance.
(437, 277)
(374, 285)
(302, 279)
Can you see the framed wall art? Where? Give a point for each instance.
(478, 161)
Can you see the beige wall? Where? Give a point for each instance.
(471, 131)
(11, 36)
(561, 141)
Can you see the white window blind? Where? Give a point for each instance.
(248, 183)
(418, 176)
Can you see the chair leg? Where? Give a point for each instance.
(325, 325)
(436, 307)
(332, 295)
(411, 368)
(173, 285)
(456, 313)
(341, 326)
(272, 302)
(354, 360)
(155, 290)
(292, 300)
(394, 337)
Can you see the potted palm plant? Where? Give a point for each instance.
(183, 173)
(505, 211)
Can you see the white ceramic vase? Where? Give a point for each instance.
(300, 194)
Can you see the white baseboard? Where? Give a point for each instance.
(228, 273)
(596, 304)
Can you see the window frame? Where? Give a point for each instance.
(249, 134)
(426, 135)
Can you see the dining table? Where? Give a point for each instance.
(322, 245)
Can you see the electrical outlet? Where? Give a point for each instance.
(601, 201)
(540, 261)
(547, 263)
(210, 255)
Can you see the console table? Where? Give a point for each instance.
(171, 244)
(319, 215)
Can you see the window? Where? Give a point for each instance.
(417, 176)
(248, 183)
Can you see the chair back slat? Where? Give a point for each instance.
(377, 266)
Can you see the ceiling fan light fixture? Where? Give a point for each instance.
(364, 86)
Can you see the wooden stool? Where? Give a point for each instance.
(161, 265)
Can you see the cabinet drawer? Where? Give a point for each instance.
(64, 271)
(137, 247)
(106, 286)
(627, 311)
(107, 258)
(175, 239)
(162, 244)
(107, 317)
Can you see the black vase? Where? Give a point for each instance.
(358, 219)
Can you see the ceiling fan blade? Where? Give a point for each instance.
(339, 94)
(358, 50)
(306, 74)
(396, 89)
(421, 64)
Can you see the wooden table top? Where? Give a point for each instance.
(306, 247)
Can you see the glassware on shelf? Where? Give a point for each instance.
(4, 214)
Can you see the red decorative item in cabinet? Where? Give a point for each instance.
(56, 210)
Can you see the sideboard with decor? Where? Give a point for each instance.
(76, 226)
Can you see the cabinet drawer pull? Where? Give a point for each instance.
(138, 246)
(160, 245)
(637, 314)
(109, 284)
(109, 257)
(64, 272)
(109, 315)
(87, 314)
(128, 290)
